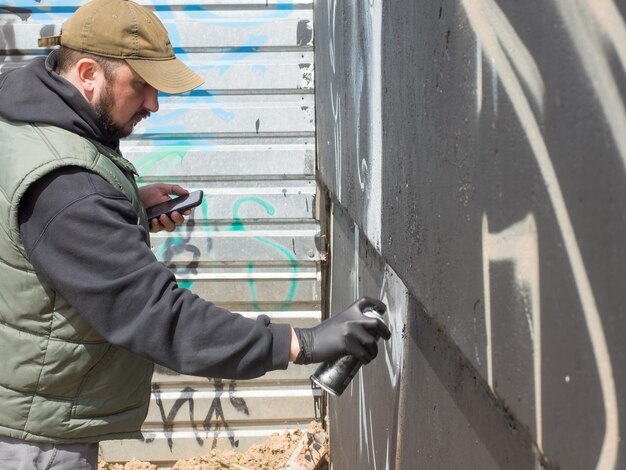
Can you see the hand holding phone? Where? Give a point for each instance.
(179, 204)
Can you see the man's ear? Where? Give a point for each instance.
(89, 75)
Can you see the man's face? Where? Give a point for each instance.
(124, 101)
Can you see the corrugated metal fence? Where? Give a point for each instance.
(247, 138)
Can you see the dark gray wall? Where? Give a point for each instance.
(475, 153)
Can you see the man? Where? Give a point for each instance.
(85, 308)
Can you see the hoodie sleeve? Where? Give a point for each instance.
(81, 236)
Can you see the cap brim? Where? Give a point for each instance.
(169, 76)
(49, 41)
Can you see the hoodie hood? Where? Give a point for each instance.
(36, 93)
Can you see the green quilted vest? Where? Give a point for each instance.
(60, 381)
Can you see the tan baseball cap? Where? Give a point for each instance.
(122, 29)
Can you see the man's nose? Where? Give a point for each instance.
(151, 99)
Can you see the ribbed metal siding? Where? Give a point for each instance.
(247, 139)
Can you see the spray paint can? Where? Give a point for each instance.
(335, 376)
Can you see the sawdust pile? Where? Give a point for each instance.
(271, 455)
(132, 465)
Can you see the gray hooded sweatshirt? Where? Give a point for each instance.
(80, 235)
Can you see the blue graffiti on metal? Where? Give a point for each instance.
(236, 54)
(227, 18)
(172, 120)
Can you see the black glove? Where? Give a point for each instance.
(347, 333)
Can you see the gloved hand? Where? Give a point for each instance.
(347, 333)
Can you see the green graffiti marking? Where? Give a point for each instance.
(205, 211)
(238, 225)
(185, 284)
(170, 242)
(164, 158)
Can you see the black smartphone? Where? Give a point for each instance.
(180, 204)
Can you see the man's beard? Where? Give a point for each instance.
(104, 110)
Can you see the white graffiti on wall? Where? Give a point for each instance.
(334, 93)
(519, 246)
(367, 32)
(487, 20)
(365, 60)
(503, 38)
(591, 25)
(395, 295)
